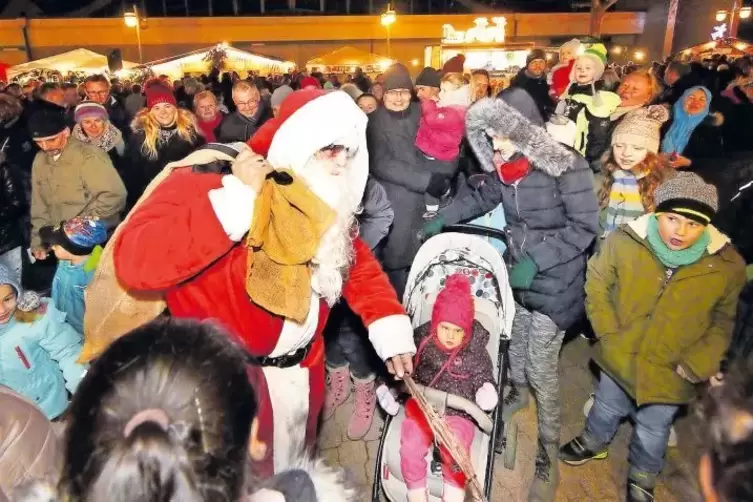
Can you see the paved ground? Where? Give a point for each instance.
(596, 481)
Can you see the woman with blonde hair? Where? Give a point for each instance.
(162, 133)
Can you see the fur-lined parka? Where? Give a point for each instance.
(552, 213)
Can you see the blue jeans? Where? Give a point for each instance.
(650, 434)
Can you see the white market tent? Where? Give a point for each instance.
(346, 59)
(78, 60)
(237, 60)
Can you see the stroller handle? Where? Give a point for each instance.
(467, 228)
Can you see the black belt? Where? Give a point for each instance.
(285, 361)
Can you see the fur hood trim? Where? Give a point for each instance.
(496, 116)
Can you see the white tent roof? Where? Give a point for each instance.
(75, 60)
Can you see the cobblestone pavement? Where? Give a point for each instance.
(596, 481)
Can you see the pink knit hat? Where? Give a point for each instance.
(454, 304)
(89, 109)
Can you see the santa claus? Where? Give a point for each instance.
(197, 237)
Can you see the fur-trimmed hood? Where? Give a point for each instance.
(515, 116)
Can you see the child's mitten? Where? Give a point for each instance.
(486, 397)
(386, 400)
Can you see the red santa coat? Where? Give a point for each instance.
(176, 243)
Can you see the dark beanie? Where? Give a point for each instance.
(534, 55)
(428, 77)
(47, 120)
(397, 77)
(454, 65)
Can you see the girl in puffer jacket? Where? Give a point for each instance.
(38, 349)
(452, 358)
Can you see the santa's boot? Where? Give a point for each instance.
(364, 408)
(418, 495)
(338, 390)
(453, 493)
(546, 473)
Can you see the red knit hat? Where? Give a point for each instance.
(454, 65)
(310, 81)
(309, 120)
(454, 305)
(157, 92)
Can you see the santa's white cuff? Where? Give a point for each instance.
(234, 206)
(391, 336)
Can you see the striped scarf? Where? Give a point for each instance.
(624, 201)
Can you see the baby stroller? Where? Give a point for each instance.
(440, 257)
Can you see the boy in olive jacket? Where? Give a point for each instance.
(661, 295)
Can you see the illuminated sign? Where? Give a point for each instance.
(481, 33)
(719, 31)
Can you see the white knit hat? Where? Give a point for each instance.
(641, 127)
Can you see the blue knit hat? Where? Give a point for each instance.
(79, 236)
(6, 277)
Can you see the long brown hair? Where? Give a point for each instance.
(656, 170)
(185, 123)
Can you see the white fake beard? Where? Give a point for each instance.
(335, 253)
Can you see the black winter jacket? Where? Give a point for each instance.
(118, 115)
(13, 208)
(236, 127)
(552, 213)
(538, 88)
(405, 173)
(706, 140)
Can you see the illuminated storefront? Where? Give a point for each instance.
(483, 45)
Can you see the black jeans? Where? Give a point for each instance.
(346, 341)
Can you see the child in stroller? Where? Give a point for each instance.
(451, 357)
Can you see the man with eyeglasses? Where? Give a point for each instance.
(250, 114)
(98, 90)
(403, 171)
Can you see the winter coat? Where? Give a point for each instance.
(19, 148)
(593, 122)
(118, 115)
(741, 346)
(82, 182)
(38, 359)
(538, 88)
(404, 172)
(706, 140)
(648, 323)
(737, 129)
(13, 208)
(440, 130)
(29, 448)
(133, 104)
(140, 168)
(68, 287)
(462, 371)
(552, 213)
(377, 216)
(236, 127)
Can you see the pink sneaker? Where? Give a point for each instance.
(365, 405)
(338, 390)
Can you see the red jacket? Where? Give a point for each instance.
(175, 242)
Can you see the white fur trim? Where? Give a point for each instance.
(295, 336)
(234, 206)
(319, 123)
(486, 397)
(266, 495)
(564, 133)
(289, 395)
(392, 335)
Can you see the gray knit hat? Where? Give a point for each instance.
(688, 195)
(397, 77)
(641, 127)
(280, 94)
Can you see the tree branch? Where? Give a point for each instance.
(609, 4)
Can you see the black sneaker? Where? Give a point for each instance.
(577, 453)
(638, 493)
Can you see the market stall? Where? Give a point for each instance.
(730, 47)
(78, 61)
(221, 56)
(345, 60)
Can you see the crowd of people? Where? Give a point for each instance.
(281, 215)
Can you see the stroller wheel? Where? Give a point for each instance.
(511, 445)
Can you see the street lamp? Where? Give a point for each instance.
(132, 20)
(738, 12)
(388, 18)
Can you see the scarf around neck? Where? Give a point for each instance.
(624, 204)
(683, 125)
(671, 258)
(110, 139)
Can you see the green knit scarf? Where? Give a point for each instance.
(671, 258)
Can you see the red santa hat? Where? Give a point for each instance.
(454, 304)
(312, 119)
(310, 81)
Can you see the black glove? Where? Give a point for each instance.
(438, 185)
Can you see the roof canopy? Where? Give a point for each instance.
(348, 56)
(724, 46)
(82, 60)
(237, 60)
